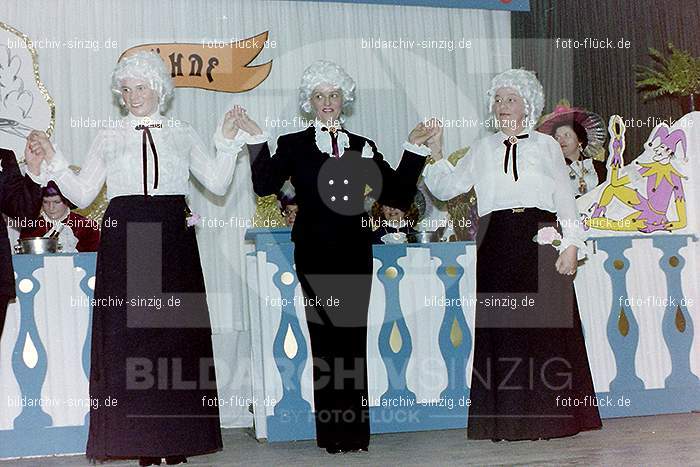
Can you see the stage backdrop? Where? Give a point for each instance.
(409, 63)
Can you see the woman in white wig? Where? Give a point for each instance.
(529, 355)
(329, 169)
(151, 335)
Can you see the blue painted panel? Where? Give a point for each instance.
(33, 433)
(624, 347)
(678, 341)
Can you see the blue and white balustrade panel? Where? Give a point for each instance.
(419, 333)
(638, 299)
(644, 351)
(44, 356)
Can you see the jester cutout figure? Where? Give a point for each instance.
(650, 211)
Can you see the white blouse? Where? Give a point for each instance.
(116, 157)
(543, 180)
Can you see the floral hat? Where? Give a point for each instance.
(589, 127)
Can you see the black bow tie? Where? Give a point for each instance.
(147, 137)
(334, 138)
(512, 141)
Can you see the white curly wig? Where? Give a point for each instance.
(149, 67)
(325, 72)
(525, 82)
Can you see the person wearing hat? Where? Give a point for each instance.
(330, 168)
(287, 203)
(529, 365)
(288, 209)
(392, 217)
(581, 135)
(20, 196)
(75, 233)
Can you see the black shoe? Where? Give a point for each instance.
(174, 460)
(334, 450)
(356, 449)
(496, 440)
(145, 461)
(355, 446)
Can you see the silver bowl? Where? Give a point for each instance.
(423, 237)
(37, 246)
(394, 238)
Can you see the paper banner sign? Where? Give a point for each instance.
(218, 66)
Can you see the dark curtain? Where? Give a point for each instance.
(602, 79)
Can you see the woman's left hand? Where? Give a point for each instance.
(435, 141)
(420, 134)
(567, 261)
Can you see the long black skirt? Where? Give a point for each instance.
(152, 382)
(531, 378)
(336, 280)
(4, 303)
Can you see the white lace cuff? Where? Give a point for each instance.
(421, 150)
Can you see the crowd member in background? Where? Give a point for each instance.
(287, 203)
(581, 135)
(74, 232)
(391, 220)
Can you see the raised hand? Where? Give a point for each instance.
(244, 122)
(435, 141)
(229, 128)
(420, 134)
(32, 159)
(38, 142)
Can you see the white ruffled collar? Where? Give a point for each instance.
(324, 143)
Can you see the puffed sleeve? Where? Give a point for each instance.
(446, 181)
(215, 173)
(83, 188)
(271, 170)
(565, 201)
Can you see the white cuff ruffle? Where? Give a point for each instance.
(421, 150)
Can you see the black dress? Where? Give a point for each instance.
(151, 355)
(530, 363)
(152, 381)
(333, 256)
(19, 197)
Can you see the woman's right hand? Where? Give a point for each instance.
(244, 122)
(420, 134)
(435, 141)
(32, 159)
(38, 143)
